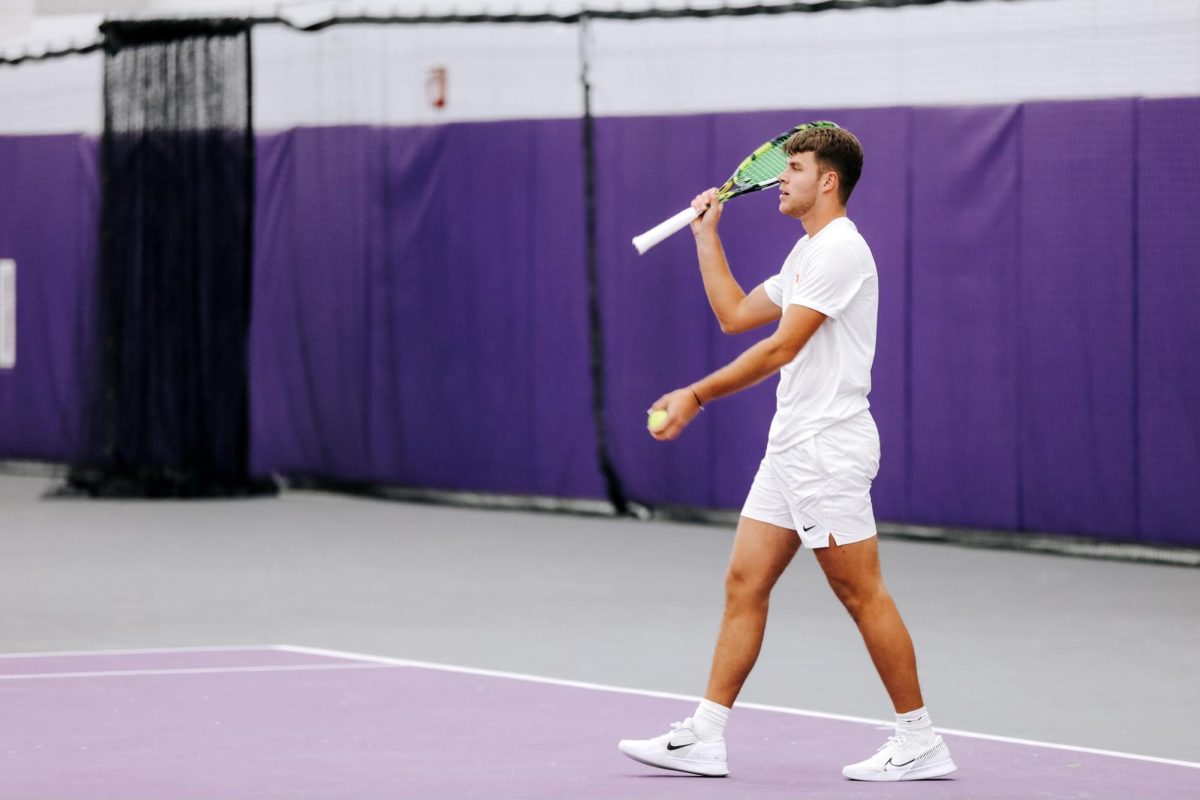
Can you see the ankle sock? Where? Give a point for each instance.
(915, 724)
(709, 721)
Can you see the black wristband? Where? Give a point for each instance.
(698, 403)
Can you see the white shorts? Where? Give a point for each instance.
(821, 486)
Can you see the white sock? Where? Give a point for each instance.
(709, 721)
(915, 725)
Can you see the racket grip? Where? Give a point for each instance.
(664, 229)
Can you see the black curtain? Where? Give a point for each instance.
(168, 402)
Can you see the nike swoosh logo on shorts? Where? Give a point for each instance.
(809, 528)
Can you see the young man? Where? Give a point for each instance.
(813, 486)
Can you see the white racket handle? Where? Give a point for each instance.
(664, 229)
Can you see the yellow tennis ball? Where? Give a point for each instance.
(657, 419)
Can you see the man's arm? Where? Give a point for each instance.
(761, 361)
(734, 309)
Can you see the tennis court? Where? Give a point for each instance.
(330, 337)
(425, 651)
(294, 722)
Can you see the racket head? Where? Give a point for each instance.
(760, 170)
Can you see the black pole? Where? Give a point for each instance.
(612, 481)
(251, 213)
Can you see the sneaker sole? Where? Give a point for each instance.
(936, 770)
(681, 765)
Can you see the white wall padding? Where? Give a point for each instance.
(952, 53)
(922, 55)
(377, 74)
(62, 95)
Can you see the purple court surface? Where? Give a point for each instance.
(293, 722)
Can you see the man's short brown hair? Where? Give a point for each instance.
(835, 149)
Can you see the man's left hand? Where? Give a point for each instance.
(681, 407)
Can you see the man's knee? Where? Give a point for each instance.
(859, 596)
(746, 586)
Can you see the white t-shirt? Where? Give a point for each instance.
(829, 379)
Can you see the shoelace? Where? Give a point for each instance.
(897, 741)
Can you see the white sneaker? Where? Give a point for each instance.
(904, 759)
(679, 750)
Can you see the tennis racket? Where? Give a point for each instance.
(759, 171)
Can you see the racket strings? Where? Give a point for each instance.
(763, 166)
(769, 160)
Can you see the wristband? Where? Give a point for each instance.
(698, 403)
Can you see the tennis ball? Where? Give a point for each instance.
(657, 419)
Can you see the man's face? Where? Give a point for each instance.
(798, 185)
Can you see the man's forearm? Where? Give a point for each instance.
(724, 293)
(757, 363)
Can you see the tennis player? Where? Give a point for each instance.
(813, 487)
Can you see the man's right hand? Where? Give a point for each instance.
(710, 213)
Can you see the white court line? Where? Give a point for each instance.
(190, 671)
(401, 662)
(143, 651)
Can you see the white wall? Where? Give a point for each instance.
(949, 54)
(49, 7)
(953, 53)
(16, 18)
(58, 96)
(378, 74)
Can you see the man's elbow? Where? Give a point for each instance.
(730, 327)
(783, 352)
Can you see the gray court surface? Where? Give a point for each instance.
(1092, 653)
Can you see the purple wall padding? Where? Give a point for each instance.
(965, 237)
(1075, 370)
(49, 211)
(420, 308)
(658, 333)
(1006, 382)
(1168, 320)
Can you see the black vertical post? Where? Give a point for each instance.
(251, 212)
(612, 481)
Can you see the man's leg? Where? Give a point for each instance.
(854, 575)
(761, 552)
(915, 752)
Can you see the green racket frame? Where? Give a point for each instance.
(759, 170)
